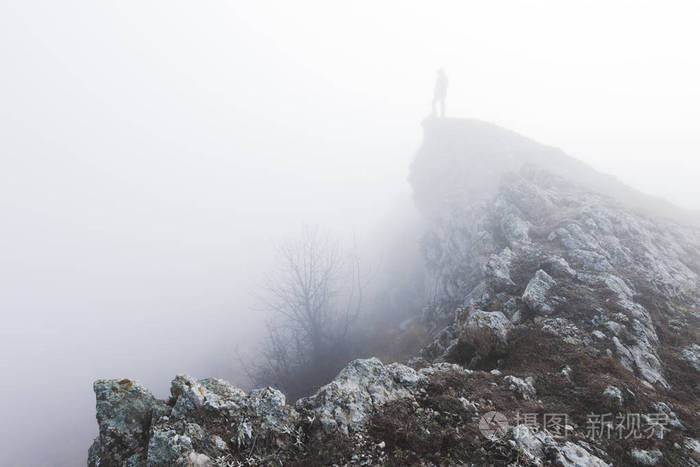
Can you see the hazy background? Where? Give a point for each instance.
(152, 153)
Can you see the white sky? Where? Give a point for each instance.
(151, 152)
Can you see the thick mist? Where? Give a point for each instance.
(153, 154)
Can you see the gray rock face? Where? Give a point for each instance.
(498, 269)
(124, 413)
(537, 447)
(493, 322)
(136, 429)
(574, 455)
(536, 293)
(208, 421)
(562, 256)
(599, 253)
(346, 402)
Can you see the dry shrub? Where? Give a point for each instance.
(479, 348)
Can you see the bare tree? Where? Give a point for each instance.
(314, 296)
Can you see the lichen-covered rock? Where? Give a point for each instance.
(176, 443)
(208, 422)
(563, 328)
(124, 412)
(202, 421)
(190, 395)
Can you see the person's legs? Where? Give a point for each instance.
(442, 108)
(434, 112)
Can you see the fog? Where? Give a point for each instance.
(154, 153)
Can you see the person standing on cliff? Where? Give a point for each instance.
(440, 93)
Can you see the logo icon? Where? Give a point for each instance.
(493, 425)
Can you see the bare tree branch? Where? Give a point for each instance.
(314, 296)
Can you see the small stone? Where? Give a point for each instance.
(615, 327)
(642, 457)
(614, 394)
(691, 355)
(693, 445)
(671, 417)
(523, 387)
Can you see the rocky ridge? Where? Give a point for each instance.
(551, 297)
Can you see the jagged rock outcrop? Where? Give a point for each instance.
(558, 291)
(210, 422)
(591, 265)
(347, 402)
(124, 413)
(575, 270)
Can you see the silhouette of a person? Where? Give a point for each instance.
(440, 93)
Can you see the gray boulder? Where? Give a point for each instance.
(537, 447)
(536, 295)
(643, 457)
(691, 354)
(124, 412)
(492, 322)
(613, 394)
(524, 388)
(345, 403)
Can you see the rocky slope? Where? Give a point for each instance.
(565, 314)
